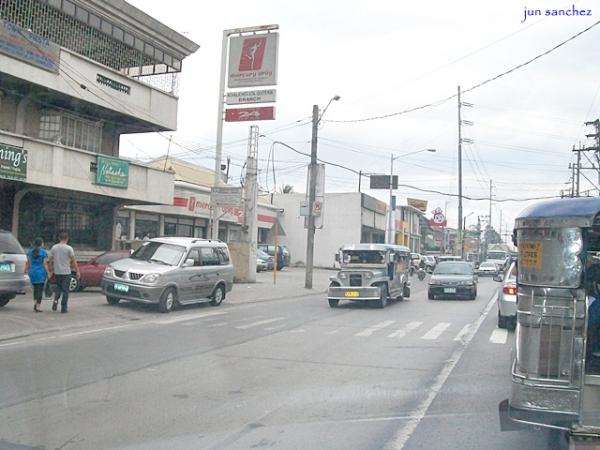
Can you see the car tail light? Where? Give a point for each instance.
(510, 290)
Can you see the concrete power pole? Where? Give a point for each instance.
(460, 205)
(312, 191)
(490, 217)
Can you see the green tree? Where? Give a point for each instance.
(286, 189)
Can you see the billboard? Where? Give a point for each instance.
(249, 114)
(253, 60)
(421, 205)
(13, 162)
(226, 197)
(438, 219)
(382, 182)
(29, 47)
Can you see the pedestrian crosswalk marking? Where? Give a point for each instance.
(298, 330)
(405, 330)
(499, 336)
(462, 333)
(218, 324)
(369, 331)
(275, 327)
(259, 323)
(436, 331)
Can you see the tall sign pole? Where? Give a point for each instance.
(270, 77)
(460, 205)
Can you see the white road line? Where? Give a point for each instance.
(333, 331)
(12, 343)
(405, 330)
(260, 322)
(185, 318)
(298, 330)
(403, 434)
(369, 331)
(97, 330)
(499, 336)
(436, 331)
(276, 327)
(462, 333)
(217, 324)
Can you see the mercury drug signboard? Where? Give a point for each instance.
(249, 114)
(247, 97)
(13, 162)
(253, 60)
(113, 172)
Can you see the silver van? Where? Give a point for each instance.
(13, 279)
(169, 271)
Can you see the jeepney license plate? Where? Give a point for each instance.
(351, 293)
(449, 290)
(6, 267)
(121, 287)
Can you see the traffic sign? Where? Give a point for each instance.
(249, 114)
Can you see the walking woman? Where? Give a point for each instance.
(37, 269)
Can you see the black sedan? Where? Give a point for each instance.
(453, 279)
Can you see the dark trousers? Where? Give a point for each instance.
(38, 291)
(62, 290)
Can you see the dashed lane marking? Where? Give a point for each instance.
(405, 330)
(369, 331)
(499, 336)
(463, 333)
(436, 331)
(259, 323)
(185, 318)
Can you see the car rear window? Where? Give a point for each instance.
(9, 245)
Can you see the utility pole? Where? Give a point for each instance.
(490, 215)
(578, 173)
(359, 179)
(500, 227)
(460, 205)
(390, 220)
(312, 190)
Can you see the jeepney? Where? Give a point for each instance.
(373, 273)
(555, 376)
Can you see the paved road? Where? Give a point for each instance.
(275, 374)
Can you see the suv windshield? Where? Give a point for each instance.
(363, 257)
(9, 245)
(159, 252)
(451, 268)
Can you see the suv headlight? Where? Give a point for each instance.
(150, 278)
(109, 272)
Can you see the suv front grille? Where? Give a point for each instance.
(135, 276)
(355, 280)
(119, 273)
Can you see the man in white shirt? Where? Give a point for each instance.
(62, 262)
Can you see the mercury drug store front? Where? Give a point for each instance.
(187, 216)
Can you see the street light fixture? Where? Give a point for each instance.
(390, 226)
(312, 191)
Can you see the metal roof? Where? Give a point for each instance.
(578, 212)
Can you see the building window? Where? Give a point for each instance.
(70, 130)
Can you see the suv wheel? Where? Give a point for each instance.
(430, 295)
(74, 284)
(4, 299)
(502, 321)
(112, 300)
(167, 300)
(333, 302)
(382, 302)
(217, 296)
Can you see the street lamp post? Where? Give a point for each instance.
(390, 235)
(312, 191)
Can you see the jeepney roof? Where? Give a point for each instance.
(575, 212)
(376, 247)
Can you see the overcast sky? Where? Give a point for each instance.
(383, 57)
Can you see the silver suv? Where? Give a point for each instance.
(13, 279)
(169, 271)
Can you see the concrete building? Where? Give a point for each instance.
(74, 76)
(347, 218)
(408, 227)
(188, 212)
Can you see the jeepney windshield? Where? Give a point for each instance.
(363, 257)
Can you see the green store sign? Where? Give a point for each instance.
(13, 162)
(112, 172)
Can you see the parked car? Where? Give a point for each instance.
(170, 271)
(283, 254)
(91, 272)
(507, 298)
(267, 258)
(488, 268)
(13, 279)
(454, 279)
(430, 263)
(261, 265)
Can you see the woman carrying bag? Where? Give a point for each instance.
(37, 269)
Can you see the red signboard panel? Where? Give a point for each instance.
(249, 114)
(253, 52)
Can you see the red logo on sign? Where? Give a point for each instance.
(248, 114)
(253, 53)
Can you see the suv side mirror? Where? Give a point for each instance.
(337, 257)
(188, 263)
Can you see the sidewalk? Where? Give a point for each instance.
(89, 308)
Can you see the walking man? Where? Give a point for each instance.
(62, 262)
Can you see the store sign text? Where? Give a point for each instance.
(13, 162)
(112, 172)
